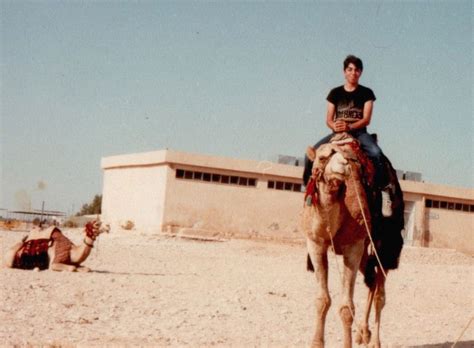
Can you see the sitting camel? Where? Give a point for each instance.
(50, 248)
(337, 213)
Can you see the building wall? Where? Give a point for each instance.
(450, 229)
(216, 209)
(136, 194)
(144, 188)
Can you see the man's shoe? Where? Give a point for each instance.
(386, 203)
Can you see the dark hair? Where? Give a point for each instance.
(354, 60)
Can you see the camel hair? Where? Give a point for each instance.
(49, 248)
(339, 214)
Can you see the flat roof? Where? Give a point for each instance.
(199, 160)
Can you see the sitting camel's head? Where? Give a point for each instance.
(329, 164)
(94, 228)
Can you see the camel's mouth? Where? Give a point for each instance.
(335, 181)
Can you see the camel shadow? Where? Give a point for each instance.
(461, 344)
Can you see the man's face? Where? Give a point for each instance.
(352, 74)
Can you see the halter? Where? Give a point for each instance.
(317, 174)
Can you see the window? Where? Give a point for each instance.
(215, 178)
(284, 185)
(243, 181)
(431, 203)
(225, 179)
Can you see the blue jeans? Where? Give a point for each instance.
(370, 147)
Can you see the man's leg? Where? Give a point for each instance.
(308, 164)
(372, 150)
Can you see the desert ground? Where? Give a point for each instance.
(155, 290)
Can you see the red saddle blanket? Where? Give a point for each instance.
(32, 254)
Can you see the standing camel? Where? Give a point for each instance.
(50, 248)
(337, 213)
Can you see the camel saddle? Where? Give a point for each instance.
(34, 251)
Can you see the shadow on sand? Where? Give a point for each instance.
(141, 273)
(461, 344)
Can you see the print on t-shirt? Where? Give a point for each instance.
(350, 105)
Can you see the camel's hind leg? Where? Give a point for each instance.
(10, 254)
(319, 258)
(352, 257)
(379, 303)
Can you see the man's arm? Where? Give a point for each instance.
(366, 116)
(331, 111)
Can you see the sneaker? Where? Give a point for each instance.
(386, 203)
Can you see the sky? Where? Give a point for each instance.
(82, 80)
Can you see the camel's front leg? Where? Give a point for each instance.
(56, 266)
(379, 303)
(319, 258)
(352, 257)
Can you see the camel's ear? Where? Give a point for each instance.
(311, 153)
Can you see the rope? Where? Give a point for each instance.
(366, 224)
(462, 333)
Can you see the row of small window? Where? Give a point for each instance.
(217, 178)
(430, 203)
(235, 180)
(283, 185)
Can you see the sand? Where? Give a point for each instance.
(152, 290)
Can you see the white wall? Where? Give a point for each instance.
(136, 194)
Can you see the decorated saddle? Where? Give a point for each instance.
(34, 251)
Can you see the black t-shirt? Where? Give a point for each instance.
(350, 105)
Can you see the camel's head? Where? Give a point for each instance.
(95, 228)
(329, 165)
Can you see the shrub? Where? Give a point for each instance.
(128, 225)
(94, 207)
(69, 224)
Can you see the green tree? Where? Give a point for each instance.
(93, 208)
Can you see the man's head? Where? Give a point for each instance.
(354, 60)
(352, 70)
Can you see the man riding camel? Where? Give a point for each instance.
(349, 109)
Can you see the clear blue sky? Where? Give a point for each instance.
(84, 80)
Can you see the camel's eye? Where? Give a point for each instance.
(326, 154)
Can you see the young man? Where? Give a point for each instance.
(349, 109)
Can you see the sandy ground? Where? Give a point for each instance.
(160, 291)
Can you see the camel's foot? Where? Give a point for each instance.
(374, 344)
(317, 343)
(363, 336)
(83, 269)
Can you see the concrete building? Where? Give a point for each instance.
(184, 193)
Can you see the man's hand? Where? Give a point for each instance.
(341, 126)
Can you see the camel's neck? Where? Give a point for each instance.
(81, 252)
(329, 211)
